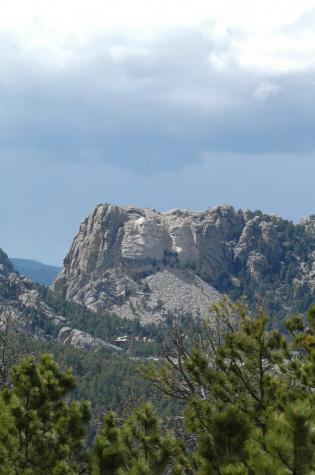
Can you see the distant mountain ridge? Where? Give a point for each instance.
(21, 304)
(37, 271)
(145, 264)
(26, 308)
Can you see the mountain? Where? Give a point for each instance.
(42, 273)
(136, 263)
(39, 322)
(141, 263)
(21, 304)
(26, 308)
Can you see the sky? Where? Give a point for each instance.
(159, 104)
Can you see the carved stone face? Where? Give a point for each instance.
(144, 238)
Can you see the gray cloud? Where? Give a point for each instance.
(154, 124)
(154, 108)
(265, 90)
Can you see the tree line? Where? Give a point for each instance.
(247, 393)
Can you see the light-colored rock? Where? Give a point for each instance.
(19, 301)
(169, 292)
(256, 265)
(120, 250)
(78, 339)
(143, 263)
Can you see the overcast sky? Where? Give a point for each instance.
(168, 103)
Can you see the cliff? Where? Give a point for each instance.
(21, 306)
(143, 263)
(24, 310)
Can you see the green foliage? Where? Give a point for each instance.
(287, 446)
(108, 453)
(40, 432)
(107, 326)
(110, 381)
(290, 246)
(104, 326)
(249, 393)
(137, 447)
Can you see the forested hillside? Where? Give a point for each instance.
(246, 394)
(228, 393)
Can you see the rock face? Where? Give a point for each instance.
(22, 310)
(20, 303)
(147, 264)
(142, 263)
(5, 265)
(78, 339)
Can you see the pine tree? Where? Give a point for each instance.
(287, 447)
(40, 432)
(109, 453)
(249, 395)
(137, 447)
(249, 392)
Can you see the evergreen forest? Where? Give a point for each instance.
(235, 397)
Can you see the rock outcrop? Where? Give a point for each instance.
(21, 306)
(142, 263)
(79, 339)
(147, 264)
